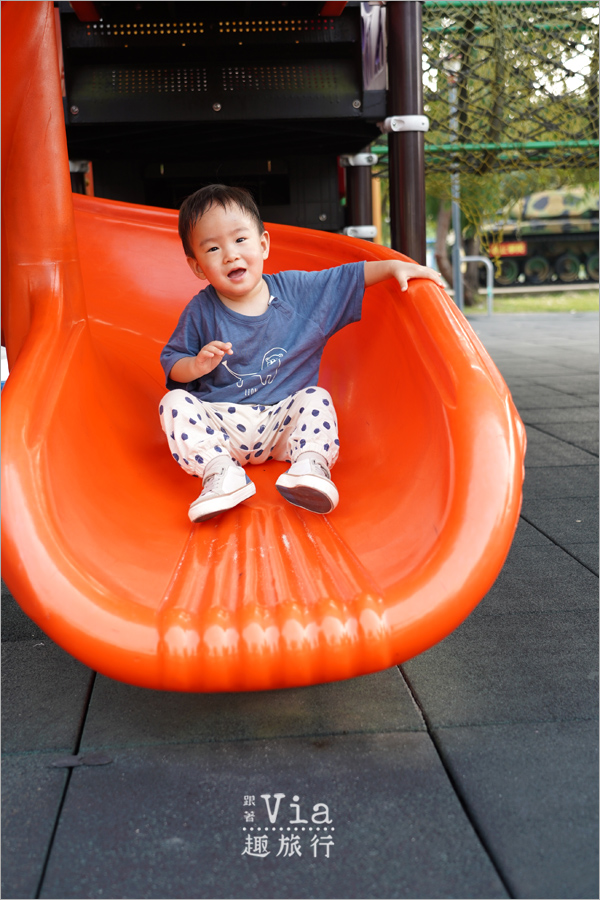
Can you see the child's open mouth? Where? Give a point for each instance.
(236, 274)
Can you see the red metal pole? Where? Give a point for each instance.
(406, 148)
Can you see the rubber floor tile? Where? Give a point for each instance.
(31, 796)
(192, 821)
(528, 535)
(570, 383)
(560, 482)
(16, 626)
(581, 434)
(537, 395)
(522, 786)
(44, 696)
(566, 521)
(527, 667)
(540, 579)
(547, 450)
(586, 554)
(122, 715)
(531, 370)
(563, 415)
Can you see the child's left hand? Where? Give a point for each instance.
(405, 271)
(376, 271)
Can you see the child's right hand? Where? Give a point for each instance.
(211, 355)
(189, 368)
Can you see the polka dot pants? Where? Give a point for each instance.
(198, 432)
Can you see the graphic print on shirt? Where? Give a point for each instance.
(268, 370)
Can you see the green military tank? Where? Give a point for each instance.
(549, 236)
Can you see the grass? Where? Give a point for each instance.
(559, 301)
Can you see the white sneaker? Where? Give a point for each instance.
(221, 490)
(308, 484)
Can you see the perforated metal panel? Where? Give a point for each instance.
(321, 77)
(166, 32)
(129, 80)
(311, 77)
(163, 97)
(139, 67)
(129, 93)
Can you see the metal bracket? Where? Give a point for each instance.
(359, 159)
(489, 278)
(367, 232)
(404, 123)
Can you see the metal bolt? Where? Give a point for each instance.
(216, 107)
(323, 217)
(356, 104)
(74, 110)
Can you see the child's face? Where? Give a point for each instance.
(229, 251)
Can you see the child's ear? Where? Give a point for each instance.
(196, 269)
(265, 242)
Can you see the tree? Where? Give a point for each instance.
(524, 74)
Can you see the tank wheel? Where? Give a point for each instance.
(591, 266)
(567, 267)
(509, 272)
(537, 270)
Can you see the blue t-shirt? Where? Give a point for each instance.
(274, 354)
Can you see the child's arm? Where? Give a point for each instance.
(401, 271)
(189, 368)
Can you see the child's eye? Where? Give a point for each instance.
(210, 249)
(240, 239)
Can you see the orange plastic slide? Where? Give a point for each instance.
(97, 546)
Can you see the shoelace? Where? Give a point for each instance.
(213, 481)
(322, 469)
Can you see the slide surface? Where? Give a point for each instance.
(97, 546)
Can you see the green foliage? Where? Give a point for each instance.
(510, 73)
(511, 92)
(559, 301)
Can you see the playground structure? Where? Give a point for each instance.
(162, 98)
(96, 542)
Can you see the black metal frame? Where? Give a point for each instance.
(156, 85)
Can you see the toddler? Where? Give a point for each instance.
(242, 365)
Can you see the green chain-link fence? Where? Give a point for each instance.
(511, 92)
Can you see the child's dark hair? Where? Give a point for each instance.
(194, 207)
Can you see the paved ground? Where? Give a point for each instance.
(469, 772)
